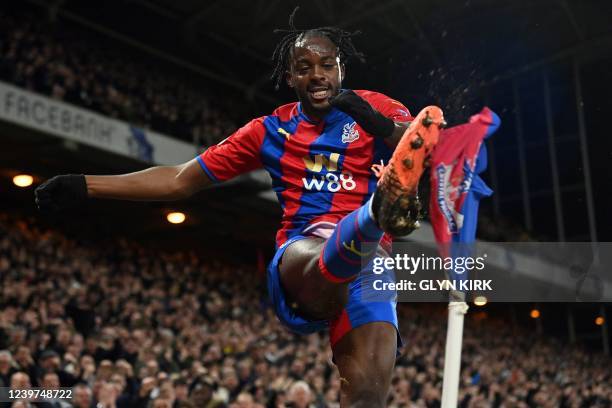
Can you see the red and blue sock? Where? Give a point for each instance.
(342, 257)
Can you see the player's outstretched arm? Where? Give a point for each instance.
(162, 183)
(371, 120)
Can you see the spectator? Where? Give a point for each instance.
(20, 380)
(168, 329)
(300, 395)
(66, 63)
(6, 367)
(81, 396)
(51, 381)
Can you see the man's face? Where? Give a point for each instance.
(244, 401)
(22, 355)
(51, 381)
(315, 72)
(50, 363)
(5, 363)
(20, 380)
(181, 392)
(82, 397)
(201, 396)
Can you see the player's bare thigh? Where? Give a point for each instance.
(307, 291)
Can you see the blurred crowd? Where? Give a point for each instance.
(127, 326)
(65, 64)
(500, 229)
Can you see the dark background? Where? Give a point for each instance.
(458, 54)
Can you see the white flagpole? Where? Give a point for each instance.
(457, 308)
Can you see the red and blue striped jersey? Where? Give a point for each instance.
(321, 171)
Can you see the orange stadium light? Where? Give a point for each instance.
(599, 320)
(480, 300)
(535, 314)
(176, 217)
(23, 180)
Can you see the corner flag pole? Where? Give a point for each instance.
(462, 245)
(457, 308)
(456, 192)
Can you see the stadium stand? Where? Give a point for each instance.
(114, 83)
(64, 63)
(129, 329)
(127, 326)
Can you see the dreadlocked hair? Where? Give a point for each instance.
(341, 38)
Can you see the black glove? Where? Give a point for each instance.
(61, 192)
(370, 120)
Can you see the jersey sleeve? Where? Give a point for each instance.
(389, 107)
(237, 154)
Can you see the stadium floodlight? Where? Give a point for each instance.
(23, 180)
(599, 320)
(535, 314)
(480, 300)
(176, 217)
